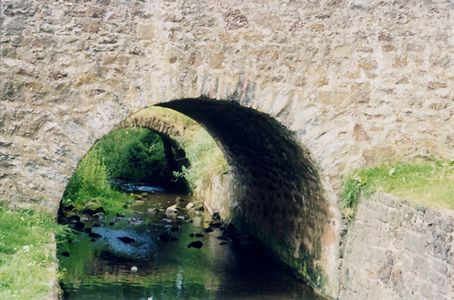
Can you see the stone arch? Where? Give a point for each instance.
(322, 77)
(155, 123)
(277, 190)
(307, 241)
(277, 193)
(169, 132)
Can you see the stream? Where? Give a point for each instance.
(146, 256)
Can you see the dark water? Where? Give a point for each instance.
(101, 269)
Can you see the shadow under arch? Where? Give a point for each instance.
(276, 189)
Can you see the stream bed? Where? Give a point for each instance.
(147, 256)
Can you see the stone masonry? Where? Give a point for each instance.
(356, 83)
(395, 251)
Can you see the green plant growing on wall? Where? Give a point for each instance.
(206, 158)
(89, 180)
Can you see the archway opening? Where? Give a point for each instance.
(276, 192)
(272, 191)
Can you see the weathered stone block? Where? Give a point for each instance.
(145, 31)
(405, 264)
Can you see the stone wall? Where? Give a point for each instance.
(357, 82)
(396, 251)
(217, 196)
(153, 122)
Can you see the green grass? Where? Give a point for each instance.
(25, 253)
(428, 184)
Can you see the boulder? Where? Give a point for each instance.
(79, 226)
(92, 207)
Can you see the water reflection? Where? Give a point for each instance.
(100, 268)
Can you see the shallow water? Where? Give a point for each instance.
(221, 269)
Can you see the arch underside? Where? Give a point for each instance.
(276, 190)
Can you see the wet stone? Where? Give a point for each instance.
(79, 226)
(195, 244)
(126, 240)
(94, 235)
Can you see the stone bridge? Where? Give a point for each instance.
(297, 93)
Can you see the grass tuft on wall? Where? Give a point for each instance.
(428, 184)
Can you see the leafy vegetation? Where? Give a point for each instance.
(428, 184)
(133, 155)
(25, 255)
(90, 183)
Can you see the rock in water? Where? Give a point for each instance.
(167, 237)
(134, 269)
(180, 202)
(216, 220)
(94, 235)
(199, 235)
(126, 240)
(172, 211)
(195, 244)
(153, 211)
(79, 226)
